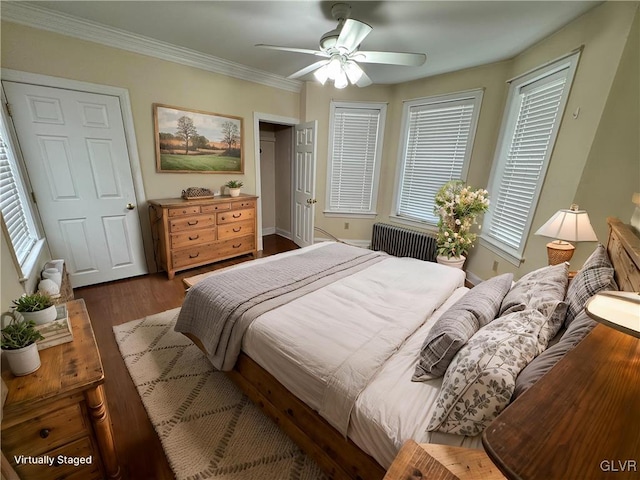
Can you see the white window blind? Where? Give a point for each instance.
(438, 141)
(20, 230)
(355, 150)
(530, 127)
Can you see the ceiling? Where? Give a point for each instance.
(453, 34)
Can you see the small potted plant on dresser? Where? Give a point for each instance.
(19, 339)
(234, 187)
(37, 307)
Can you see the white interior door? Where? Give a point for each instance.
(304, 183)
(75, 150)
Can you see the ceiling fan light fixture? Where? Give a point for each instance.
(341, 80)
(334, 67)
(322, 74)
(353, 71)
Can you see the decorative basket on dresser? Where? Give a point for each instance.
(192, 233)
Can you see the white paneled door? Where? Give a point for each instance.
(76, 155)
(304, 183)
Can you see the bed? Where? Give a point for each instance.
(334, 364)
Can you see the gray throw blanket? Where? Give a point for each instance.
(218, 309)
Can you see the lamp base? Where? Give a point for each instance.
(559, 252)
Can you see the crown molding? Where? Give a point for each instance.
(71, 26)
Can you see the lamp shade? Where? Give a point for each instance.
(570, 225)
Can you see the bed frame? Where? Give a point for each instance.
(339, 457)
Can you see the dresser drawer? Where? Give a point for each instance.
(182, 211)
(235, 246)
(237, 229)
(192, 237)
(78, 451)
(236, 216)
(45, 432)
(191, 223)
(218, 207)
(243, 204)
(193, 255)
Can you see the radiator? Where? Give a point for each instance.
(402, 242)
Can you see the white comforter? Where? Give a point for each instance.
(335, 340)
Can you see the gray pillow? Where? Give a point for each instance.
(544, 290)
(544, 362)
(596, 275)
(458, 324)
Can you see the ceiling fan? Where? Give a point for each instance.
(340, 49)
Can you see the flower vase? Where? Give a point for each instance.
(456, 262)
(234, 192)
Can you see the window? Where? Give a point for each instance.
(355, 150)
(436, 144)
(16, 214)
(531, 121)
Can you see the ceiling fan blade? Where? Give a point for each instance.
(308, 69)
(292, 49)
(391, 58)
(364, 80)
(352, 34)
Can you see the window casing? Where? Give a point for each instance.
(17, 216)
(531, 121)
(436, 144)
(355, 150)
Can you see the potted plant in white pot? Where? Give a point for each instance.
(19, 346)
(234, 187)
(458, 207)
(38, 307)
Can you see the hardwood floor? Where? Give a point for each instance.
(139, 450)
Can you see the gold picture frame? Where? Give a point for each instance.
(193, 141)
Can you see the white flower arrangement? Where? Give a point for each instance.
(458, 207)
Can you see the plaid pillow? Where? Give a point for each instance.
(596, 275)
(456, 326)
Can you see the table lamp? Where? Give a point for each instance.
(618, 310)
(566, 226)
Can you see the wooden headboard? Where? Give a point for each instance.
(623, 248)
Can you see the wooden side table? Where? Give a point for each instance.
(441, 462)
(59, 414)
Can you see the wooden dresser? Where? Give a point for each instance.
(191, 233)
(59, 413)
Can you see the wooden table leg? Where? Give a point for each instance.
(104, 434)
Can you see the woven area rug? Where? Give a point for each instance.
(207, 426)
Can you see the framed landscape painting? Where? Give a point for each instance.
(189, 141)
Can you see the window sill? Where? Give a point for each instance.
(31, 266)
(349, 214)
(429, 227)
(512, 257)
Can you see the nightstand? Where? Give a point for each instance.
(59, 413)
(441, 462)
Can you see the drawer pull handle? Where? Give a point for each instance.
(194, 256)
(44, 433)
(236, 216)
(192, 223)
(237, 246)
(236, 231)
(194, 238)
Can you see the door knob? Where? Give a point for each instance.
(311, 201)
(130, 206)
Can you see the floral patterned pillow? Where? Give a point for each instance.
(480, 380)
(544, 290)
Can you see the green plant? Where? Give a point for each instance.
(458, 206)
(32, 303)
(234, 184)
(19, 334)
